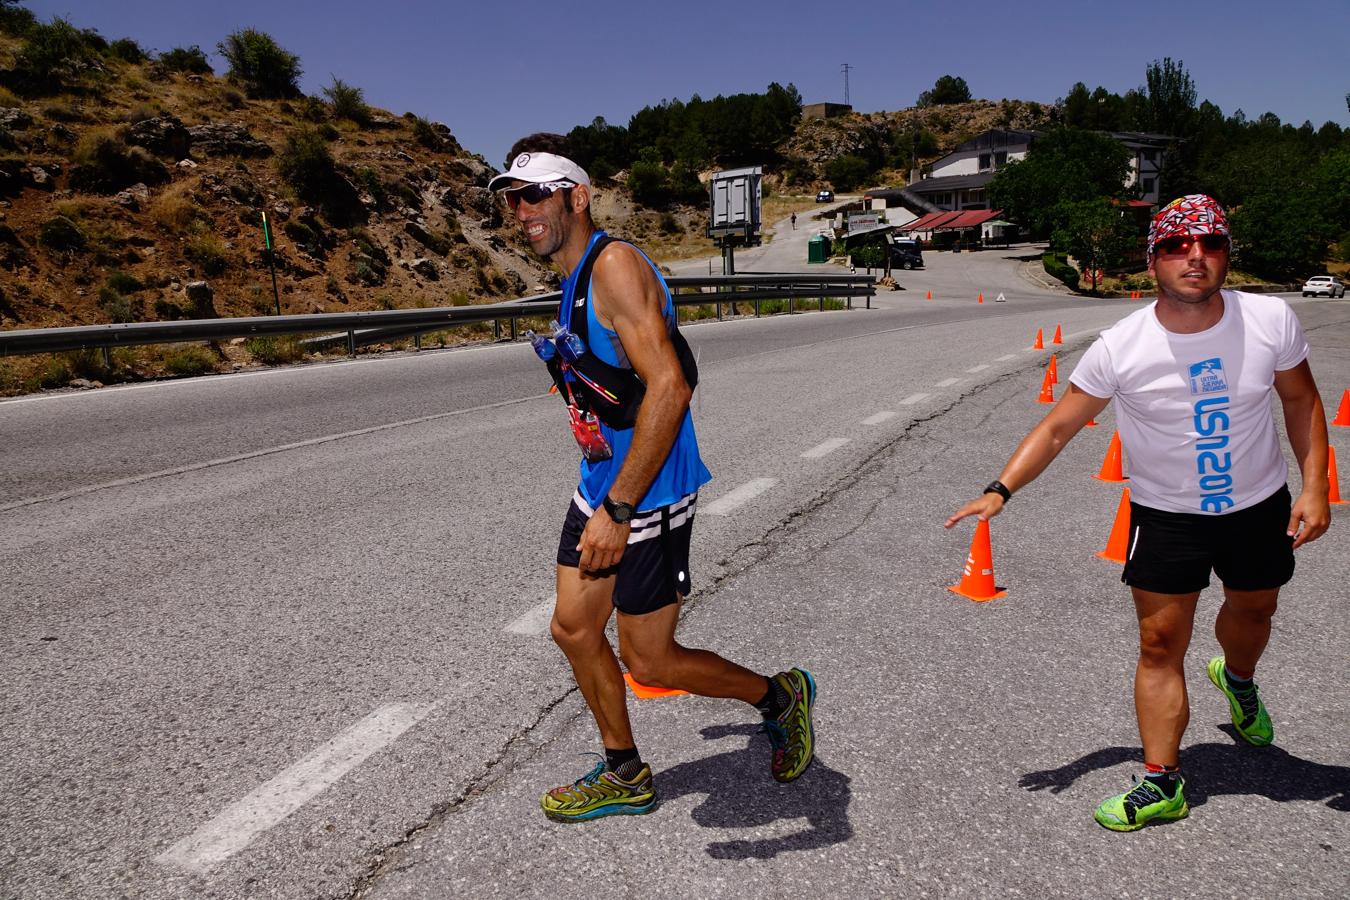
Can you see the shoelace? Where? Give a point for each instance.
(1249, 703)
(1143, 794)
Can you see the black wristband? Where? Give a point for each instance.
(998, 487)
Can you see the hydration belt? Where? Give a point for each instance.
(620, 389)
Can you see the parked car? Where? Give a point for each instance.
(825, 196)
(906, 254)
(1323, 284)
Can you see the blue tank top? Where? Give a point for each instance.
(683, 472)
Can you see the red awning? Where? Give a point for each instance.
(970, 218)
(929, 221)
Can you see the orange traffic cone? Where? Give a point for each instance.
(1040, 340)
(645, 692)
(1047, 389)
(1343, 413)
(1091, 423)
(1053, 369)
(1118, 544)
(1333, 480)
(977, 578)
(981, 296)
(1111, 465)
(930, 296)
(1059, 336)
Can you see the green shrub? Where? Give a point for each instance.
(303, 236)
(189, 360)
(424, 134)
(104, 162)
(1057, 267)
(275, 349)
(168, 311)
(312, 109)
(328, 132)
(847, 172)
(233, 99)
(55, 55)
(15, 20)
(261, 65)
(648, 183)
(306, 163)
(115, 306)
(123, 283)
(348, 102)
(207, 251)
(869, 256)
(126, 50)
(188, 60)
(669, 224)
(60, 233)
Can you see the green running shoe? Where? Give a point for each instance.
(1249, 714)
(1140, 805)
(793, 735)
(601, 793)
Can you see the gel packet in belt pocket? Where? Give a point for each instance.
(586, 430)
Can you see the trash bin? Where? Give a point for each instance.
(818, 249)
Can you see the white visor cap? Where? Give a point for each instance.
(539, 168)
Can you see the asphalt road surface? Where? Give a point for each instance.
(285, 634)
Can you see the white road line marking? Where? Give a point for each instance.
(825, 449)
(724, 505)
(979, 368)
(947, 382)
(242, 821)
(914, 398)
(535, 621)
(1005, 357)
(267, 451)
(880, 417)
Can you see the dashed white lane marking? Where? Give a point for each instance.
(242, 821)
(1005, 357)
(947, 382)
(535, 621)
(825, 449)
(979, 368)
(724, 505)
(914, 398)
(268, 451)
(878, 418)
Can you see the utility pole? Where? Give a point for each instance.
(846, 67)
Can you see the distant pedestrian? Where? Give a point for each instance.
(627, 375)
(1192, 376)
(794, 221)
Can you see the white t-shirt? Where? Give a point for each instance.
(1194, 409)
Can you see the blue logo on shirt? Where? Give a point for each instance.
(1207, 377)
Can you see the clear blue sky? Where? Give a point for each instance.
(495, 71)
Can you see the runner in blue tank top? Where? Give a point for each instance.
(627, 376)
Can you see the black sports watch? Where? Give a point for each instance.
(998, 487)
(622, 513)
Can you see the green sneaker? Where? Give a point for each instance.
(1140, 805)
(1249, 714)
(601, 793)
(792, 735)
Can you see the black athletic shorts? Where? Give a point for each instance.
(1172, 553)
(654, 569)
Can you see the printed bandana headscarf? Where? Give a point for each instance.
(1194, 214)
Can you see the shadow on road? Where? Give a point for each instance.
(741, 794)
(1214, 769)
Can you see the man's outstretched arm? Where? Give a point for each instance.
(1306, 423)
(1037, 450)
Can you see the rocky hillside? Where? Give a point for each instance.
(113, 199)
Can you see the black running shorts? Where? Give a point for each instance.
(1173, 553)
(654, 569)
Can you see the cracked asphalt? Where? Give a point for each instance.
(177, 640)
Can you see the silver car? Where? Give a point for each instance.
(1323, 284)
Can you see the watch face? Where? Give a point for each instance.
(619, 512)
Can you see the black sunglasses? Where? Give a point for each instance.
(1182, 243)
(533, 194)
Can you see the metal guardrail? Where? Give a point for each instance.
(381, 325)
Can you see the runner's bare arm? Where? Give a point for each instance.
(1306, 422)
(628, 299)
(1037, 450)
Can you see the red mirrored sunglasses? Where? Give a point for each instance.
(1182, 243)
